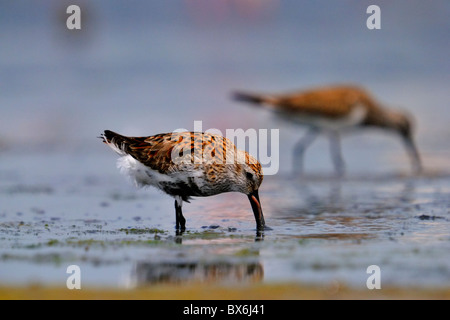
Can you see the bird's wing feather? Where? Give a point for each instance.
(335, 102)
(172, 152)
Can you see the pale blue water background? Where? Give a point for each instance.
(141, 68)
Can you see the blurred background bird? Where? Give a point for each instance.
(333, 110)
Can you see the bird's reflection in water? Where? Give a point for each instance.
(355, 195)
(183, 271)
(259, 236)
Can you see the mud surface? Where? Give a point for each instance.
(323, 230)
(158, 66)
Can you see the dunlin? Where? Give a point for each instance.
(189, 164)
(332, 110)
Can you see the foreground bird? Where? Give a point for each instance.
(189, 164)
(332, 110)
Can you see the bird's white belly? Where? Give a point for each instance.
(138, 173)
(354, 118)
(143, 176)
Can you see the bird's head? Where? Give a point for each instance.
(250, 177)
(403, 124)
(249, 173)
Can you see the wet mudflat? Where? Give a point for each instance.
(158, 66)
(324, 231)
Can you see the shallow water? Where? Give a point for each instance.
(157, 66)
(323, 230)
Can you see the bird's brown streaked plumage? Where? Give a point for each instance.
(332, 102)
(334, 109)
(188, 164)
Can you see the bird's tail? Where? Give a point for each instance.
(115, 141)
(253, 98)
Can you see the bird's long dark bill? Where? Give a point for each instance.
(414, 154)
(257, 210)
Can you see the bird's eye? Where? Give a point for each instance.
(249, 175)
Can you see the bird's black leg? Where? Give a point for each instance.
(300, 148)
(336, 155)
(180, 221)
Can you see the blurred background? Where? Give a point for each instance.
(145, 67)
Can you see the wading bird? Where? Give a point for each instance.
(333, 110)
(189, 164)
